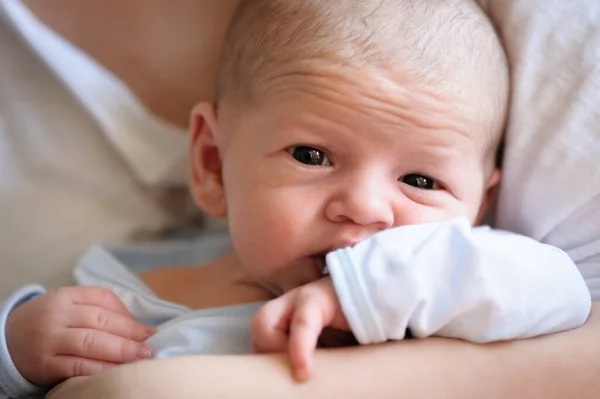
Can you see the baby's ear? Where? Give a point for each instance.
(206, 166)
(490, 195)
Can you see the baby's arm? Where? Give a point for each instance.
(442, 279)
(68, 332)
(450, 280)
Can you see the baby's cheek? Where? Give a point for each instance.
(257, 238)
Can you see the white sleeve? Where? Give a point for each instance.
(12, 383)
(451, 280)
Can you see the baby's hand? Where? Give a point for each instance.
(294, 321)
(73, 331)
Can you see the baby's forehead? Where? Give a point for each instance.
(362, 101)
(391, 89)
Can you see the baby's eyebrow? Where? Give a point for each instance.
(448, 155)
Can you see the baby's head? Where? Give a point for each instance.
(338, 119)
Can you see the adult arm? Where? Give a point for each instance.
(555, 366)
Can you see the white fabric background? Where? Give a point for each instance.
(551, 183)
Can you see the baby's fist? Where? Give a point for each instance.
(73, 331)
(294, 321)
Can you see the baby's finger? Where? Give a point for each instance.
(100, 319)
(96, 296)
(306, 326)
(270, 326)
(100, 345)
(64, 367)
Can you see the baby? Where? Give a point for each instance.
(351, 138)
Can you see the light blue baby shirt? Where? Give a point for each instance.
(180, 330)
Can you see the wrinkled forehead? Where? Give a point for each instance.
(364, 98)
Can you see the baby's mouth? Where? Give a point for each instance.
(321, 265)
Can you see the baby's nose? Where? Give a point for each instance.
(365, 202)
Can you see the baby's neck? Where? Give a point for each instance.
(219, 283)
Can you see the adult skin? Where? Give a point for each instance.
(166, 54)
(562, 365)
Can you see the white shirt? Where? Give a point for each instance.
(153, 148)
(442, 279)
(81, 160)
(550, 188)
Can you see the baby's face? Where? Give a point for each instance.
(323, 162)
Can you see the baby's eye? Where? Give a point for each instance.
(309, 156)
(420, 181)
